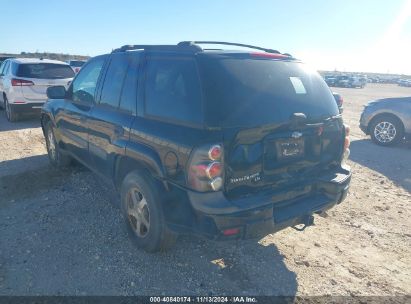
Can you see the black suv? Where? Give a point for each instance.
(224, 144)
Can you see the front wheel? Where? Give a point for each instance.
(142, 210)
(386, 131)
(56, 157)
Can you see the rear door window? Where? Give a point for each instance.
(114, 79)
(45, 71)
(172, 90)
(3, 64)
(6, 67)
(128, 100)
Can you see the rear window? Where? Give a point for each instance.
(76, 63)
(252, 92)
(45, 71)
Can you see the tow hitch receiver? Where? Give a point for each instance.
(308, 220)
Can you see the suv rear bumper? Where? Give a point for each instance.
(27, 108)
(268, 212)
(364, 129)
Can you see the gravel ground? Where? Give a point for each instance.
(62, 234)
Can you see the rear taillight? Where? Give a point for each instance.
(76, 70)
(346, 142)
(215, 152)
(15, 82)
(206, 170)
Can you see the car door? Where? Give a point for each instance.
(112, 116)
(72, 120)
(2, 76)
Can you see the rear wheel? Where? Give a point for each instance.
(11, 115)
(56, 157)
(386, 131)
(3, 104)
(142, 210)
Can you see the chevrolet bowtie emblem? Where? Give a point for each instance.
(296, 134)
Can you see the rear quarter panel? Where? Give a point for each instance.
(167, 146)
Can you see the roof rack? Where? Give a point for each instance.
(177, 47)
(195, 43)
(191, 46)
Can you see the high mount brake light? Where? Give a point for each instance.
(269, 55)
(205, 170)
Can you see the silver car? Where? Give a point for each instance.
(387, 120)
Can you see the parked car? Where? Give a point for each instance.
(330, 80)
(357, 82)
(350, 81)
(339, 100)
(225, 144)
(404, 82)
(387, 120)
(342, 81)
(24, 81)
(76, 65)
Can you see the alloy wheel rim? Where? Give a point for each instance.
(138, 212)
(385, 132)
(51, 144)
(7, 109)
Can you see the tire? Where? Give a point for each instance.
(56, 157)
(10, 114)
(142, 211)
(386, 130)
(3, 104)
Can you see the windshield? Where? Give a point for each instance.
(45, 71)
(252, 92)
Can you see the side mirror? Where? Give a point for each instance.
(56, 92)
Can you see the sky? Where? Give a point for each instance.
(349, 35)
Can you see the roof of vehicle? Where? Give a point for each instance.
(194, 47)
(37, 60)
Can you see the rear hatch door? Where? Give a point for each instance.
(43, 75)
(280, 121)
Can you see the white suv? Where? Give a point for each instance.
(24, 82)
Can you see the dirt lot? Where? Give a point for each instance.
(62, 234)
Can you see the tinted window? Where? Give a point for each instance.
(84, 85)
(172, 90)
(128, 100)
(113, 82)
(252, 92)
(6, 67)
(3, 64)
(45, 71)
